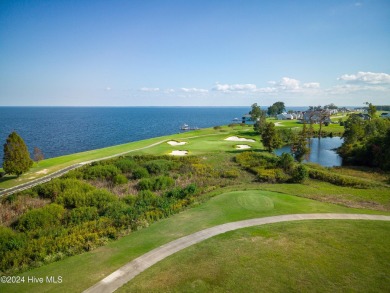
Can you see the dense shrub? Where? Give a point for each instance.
(57, 186)
(162, 183)
(140, 172)
(286, 162)
(42, 218)
(160, 166)
(230, 174)
(145, 184)
(120, 179)
(299, 174)
(107, 172)
(10, 240)
(82, 214)
(337, 179)
(126, 165)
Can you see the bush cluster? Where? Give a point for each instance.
(337, 179)
(81, 216)
(272, 169)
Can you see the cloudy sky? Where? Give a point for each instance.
(194, 53)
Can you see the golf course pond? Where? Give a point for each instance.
(322, 151)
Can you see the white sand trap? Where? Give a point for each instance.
(175, 143)
(235, 138)
(242, 146)
(44, 171)
(278, 123)
(179, 153)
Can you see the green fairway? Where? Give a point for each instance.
(81, 271)
(199, 141)
(312, 256)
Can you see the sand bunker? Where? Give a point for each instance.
(44, 171)
(175, 143)
(235, 138)
(179, 153)
(242, 146)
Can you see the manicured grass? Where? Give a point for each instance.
(312, 256)
(373, 198)
(81, 271)
(204, 140)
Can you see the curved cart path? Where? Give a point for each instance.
(138, 265)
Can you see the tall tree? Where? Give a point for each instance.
(371, 109)
(258, 117)
(255, 112)
(300, 148)
(276, 108)
(16, 156)
(270, 137)
(38, 155)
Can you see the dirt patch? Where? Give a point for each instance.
(44, 171)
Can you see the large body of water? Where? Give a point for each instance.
(321, 151)
(59, 131)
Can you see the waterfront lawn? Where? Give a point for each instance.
(81, 271)
(312, 256)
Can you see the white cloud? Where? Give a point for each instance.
(148, 89)
(108, 89)
(311, 85)
(352, 88)
(289, 84)
(169, 91)
(193, 90)
(234, 87)
(367, 77)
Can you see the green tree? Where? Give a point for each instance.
(16, 156)
(255, 112)
(276, 108)
(300, 147)
(270, 137)
(258, 117)
(371, 109)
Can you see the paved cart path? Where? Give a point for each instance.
(138, 265)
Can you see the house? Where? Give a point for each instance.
(316, 116)
(363, 116)
(247, 119)
(285, 116)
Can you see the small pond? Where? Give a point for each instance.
(321, 151)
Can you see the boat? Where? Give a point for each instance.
(186, 127)
(236, 120)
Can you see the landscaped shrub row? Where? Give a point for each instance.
(337, 179)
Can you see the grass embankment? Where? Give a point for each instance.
(81, 271)
(198, 146)
(312, 256)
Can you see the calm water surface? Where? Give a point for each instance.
(322, 151)
(60, 131)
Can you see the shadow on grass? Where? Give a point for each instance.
(7, 178)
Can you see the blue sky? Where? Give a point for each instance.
(194, 53)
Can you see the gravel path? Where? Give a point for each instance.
(138, 265)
